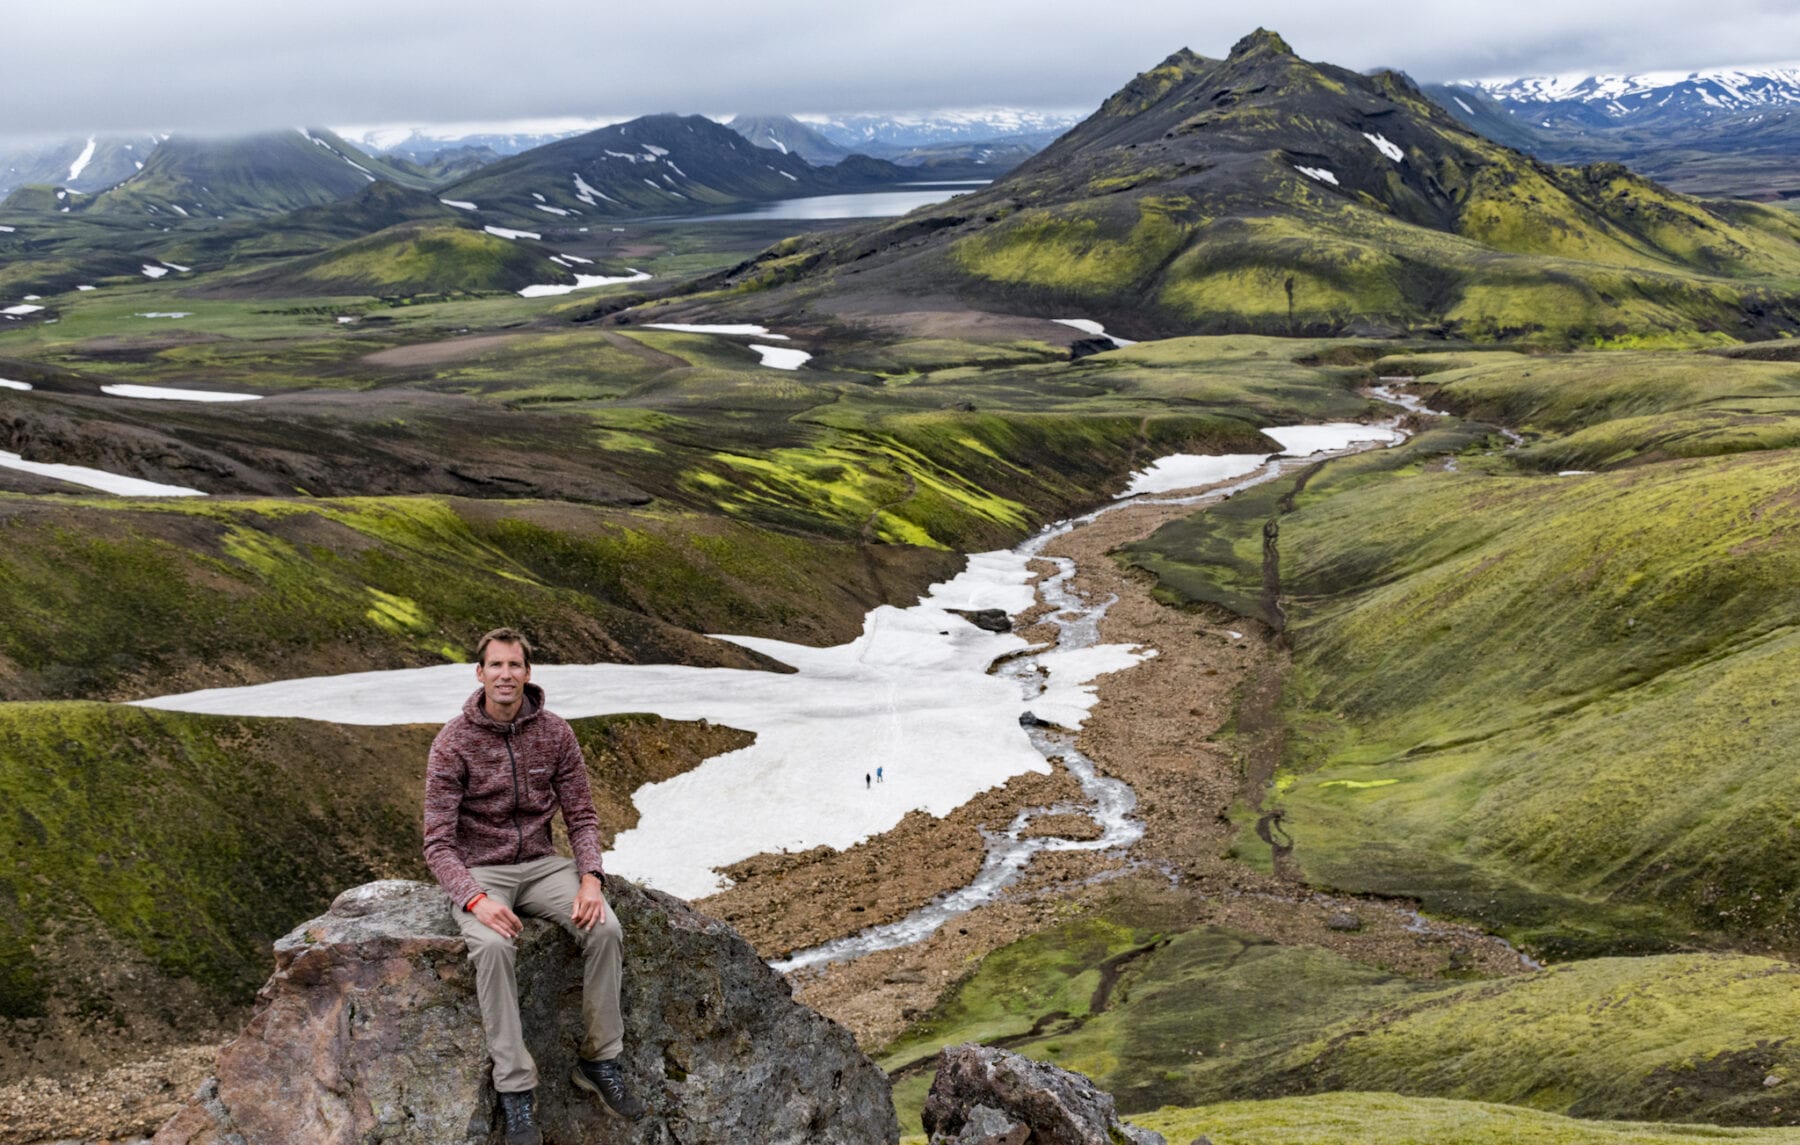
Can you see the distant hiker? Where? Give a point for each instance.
(865, 781)
(496, 775)
(878, 778)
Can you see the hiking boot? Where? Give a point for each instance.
(608, 1080)
(521, 1125)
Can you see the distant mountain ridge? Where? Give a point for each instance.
(1266, 193)
(1731, 131)
(883, 133)
(656, 165)
(785, 133)
(88, 164)
(1648, 95)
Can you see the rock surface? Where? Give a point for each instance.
(368, 1031)
(984, 1096)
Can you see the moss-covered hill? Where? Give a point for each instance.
(1560, 705)
(414, 258)
(1263, 192)
(151, 857)
(1164, 1016)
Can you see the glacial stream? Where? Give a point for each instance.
(1109, 802)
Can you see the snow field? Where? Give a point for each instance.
(168, 394)
(96, 478)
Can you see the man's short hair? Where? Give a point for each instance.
(503, 636)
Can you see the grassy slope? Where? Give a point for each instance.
(1553, 705)
(1205, 1015)
(109, 600)
(154, 855)
(1387, 1119)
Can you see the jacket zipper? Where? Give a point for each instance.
(518, 830)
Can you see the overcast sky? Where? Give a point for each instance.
(78, 66)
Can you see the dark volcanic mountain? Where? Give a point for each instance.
(1263, 192)
(657, 165)
(266, 174)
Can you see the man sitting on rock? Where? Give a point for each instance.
(496, 775)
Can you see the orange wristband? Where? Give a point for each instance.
(471, 903)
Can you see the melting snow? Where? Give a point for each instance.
(912, 693)
(176, 266)
(165, 314)
(166, 394)
(459, 204)
(1188, 470)
(21, 309)
(84, 288)
(1317, 173)
(785, 175)
(7, 384)
(82, 160)
(694, 328)
(1089, 326)
(6, 230)
(583, 282)
(154, 271)
(537, 196)
(97, 478)
(588, 194)
(653, 149)
(549, 208)
(576, 258)
(1386, 146)
(509, 233)
(1471, 110)
(781, 357)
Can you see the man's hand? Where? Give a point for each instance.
(497, 917)
(590, 904)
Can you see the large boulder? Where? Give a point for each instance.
(369, 1031)
(987, 1096)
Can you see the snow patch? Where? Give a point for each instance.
(459, 204)
(96, 478)
(1089, 326)
(550, 209)
(1318, 174)
(154, 271)
(743, 328)
(82, 160)
(20, 310)
(583, 282)
(781, 357)
(509, 233)
(1386, 146)
(168, 394)
(86, 288)
(575, 258)
(9, 384)
(164, 314)
(1464, 106)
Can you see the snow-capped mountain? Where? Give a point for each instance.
(878, 133)
(1650, 95)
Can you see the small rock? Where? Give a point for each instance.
(900, 977)
(1054, 1104)
(1343, 920)
(986, 619)
(1773, 1080)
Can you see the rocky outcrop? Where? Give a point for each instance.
(368, 1031)
(987, 1096)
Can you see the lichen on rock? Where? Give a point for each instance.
(369, 1031)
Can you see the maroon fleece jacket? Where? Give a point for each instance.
(491, 789)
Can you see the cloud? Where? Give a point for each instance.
(222, 65)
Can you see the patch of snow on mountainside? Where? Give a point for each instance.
(82, 160)
(1318, 174)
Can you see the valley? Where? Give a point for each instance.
(1276, 602)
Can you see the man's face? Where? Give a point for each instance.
(503, 674)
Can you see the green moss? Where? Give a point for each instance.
(1388, 1119)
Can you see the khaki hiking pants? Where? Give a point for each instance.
(542, 888)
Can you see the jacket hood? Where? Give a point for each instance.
(528, 711)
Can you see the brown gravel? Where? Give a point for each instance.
(1156, 727)
(124, 1103)
(786, 902)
